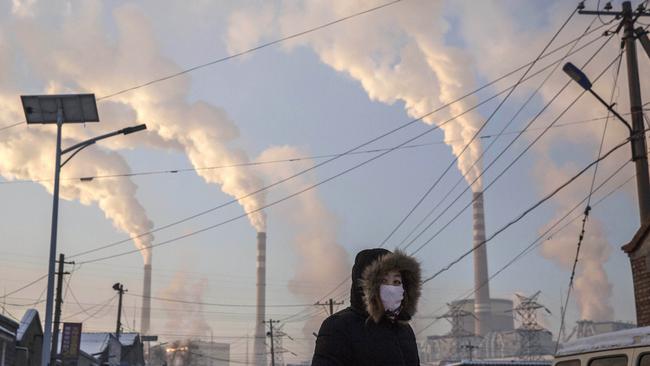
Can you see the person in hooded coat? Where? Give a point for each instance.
(367, 333)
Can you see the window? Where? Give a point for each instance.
(618, 360)
(570, 363)
(644, 359)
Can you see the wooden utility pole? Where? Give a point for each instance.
(639, 248)
(331, 304)
(57, 308)
(120, 290)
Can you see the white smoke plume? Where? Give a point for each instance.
(592, 289)
(397, 54)
(187, 317)
(98, 54)
(408, 52)
(315, 243)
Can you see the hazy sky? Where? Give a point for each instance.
(317, 94)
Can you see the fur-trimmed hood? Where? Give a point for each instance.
(373, 275)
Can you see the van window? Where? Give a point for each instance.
(644, 360)
(618, 360)
(571, 363)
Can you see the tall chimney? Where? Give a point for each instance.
(482, 308)
(259, 347)
(146, 301)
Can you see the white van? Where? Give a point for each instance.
(630, 347)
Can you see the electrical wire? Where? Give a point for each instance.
(545, 236)
(232, 56)
(479, 130)
(587, 208)
(94, 315)
(407, 124)
(589, 43)
(24, 287)
(527, 211)
(484, 151)
(522, 153)
(181, 301)
(427, 131)
(250, 50)
(6, 127)
(285, 198)
(88, 178)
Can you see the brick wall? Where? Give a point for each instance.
(641, 278)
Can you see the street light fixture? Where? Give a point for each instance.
(579, 77)
(60, 109)
(637, 138)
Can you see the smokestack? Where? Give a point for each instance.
(146, 301)
(482, 308)
(259, 348)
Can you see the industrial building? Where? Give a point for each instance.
(190, 353)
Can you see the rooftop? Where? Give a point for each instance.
(613, 340)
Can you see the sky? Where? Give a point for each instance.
(236, 125)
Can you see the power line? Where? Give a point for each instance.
(310, 187)
(250, 50)
(522, 153)
(296, 159)
(24, 287)
(435, 127)
(217, 304)
(431, 188)
(539, 240)
(527, 211)
(508, 74)
(266, 45)
(587, 207)
(457, 156)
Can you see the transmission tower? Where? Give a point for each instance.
(529, 330)
(457, 335)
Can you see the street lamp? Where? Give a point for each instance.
(60, 109)
(637, 139)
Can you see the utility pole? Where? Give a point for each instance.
(628, 17)
(270, 334)
(120, 290)
(637, 248)
(331, 304)
(57, 308)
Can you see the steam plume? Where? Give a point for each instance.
(319, 253)
(396, 55)
(124, 50)
(592, 289)
(186, 316)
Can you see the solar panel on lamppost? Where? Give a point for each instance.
(58, 109)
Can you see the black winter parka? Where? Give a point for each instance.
(361, 335)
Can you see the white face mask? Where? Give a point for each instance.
(391, 296)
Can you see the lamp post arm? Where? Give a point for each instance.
(88, 142)
(609, 107)
(76, 148)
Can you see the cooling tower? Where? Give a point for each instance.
(146, 301)
(482, 308)
(259, 347)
